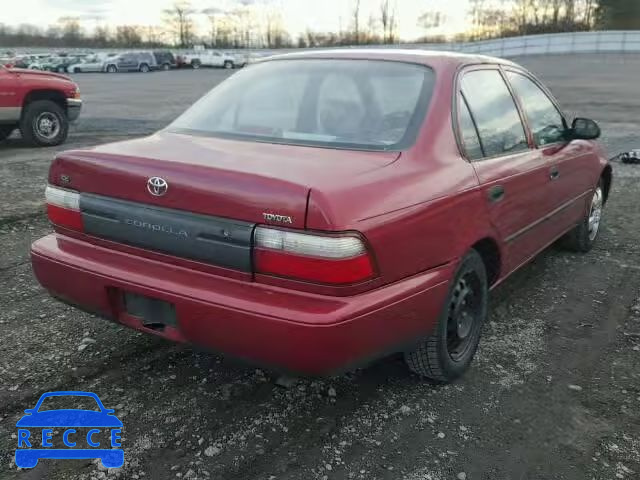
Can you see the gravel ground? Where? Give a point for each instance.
(554, 392)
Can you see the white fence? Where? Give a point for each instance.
(555, 43)
(622, 41)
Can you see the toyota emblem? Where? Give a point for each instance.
(157, 186)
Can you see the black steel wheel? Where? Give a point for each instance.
(446, 354)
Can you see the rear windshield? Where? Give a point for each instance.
(360, 104)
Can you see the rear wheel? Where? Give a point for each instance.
(6, 130)
(195, 64)
(44, 123)
(228, 64)
(583, 236)
(112, 69)
(447, 353)
(166, 66)
(144, 68)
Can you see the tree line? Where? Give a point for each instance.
(525, 17)
(256, 25)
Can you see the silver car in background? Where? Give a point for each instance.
(92, 63)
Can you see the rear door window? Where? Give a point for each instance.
(545, 121)
(495, 113)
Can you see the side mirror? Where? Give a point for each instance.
(584, 129)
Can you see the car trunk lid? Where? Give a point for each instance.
(216, 191)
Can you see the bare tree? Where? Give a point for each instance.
(101, 36)
(356, 20)
(213, 15)
(393, 23)
(153, 35)
(385, 16)
(590, 8)
(569, 11)
(71, 31)
(244, 26)
(388, 10)
(556, 5)
(224, 31)
(274, 32)
(520, 14)
(129, 36)
(180, 22)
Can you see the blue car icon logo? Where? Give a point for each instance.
(69, 433)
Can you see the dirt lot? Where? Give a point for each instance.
(554, 392)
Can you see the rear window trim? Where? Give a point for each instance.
(408, 140)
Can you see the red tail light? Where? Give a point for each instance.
(337, 260)
(63, 207)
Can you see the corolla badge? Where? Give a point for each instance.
(157, 186)
(69, 433)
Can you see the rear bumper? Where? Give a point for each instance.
(290, 330)
(74, 106)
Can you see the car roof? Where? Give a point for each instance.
(427, 57)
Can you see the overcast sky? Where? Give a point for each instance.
(298, 14)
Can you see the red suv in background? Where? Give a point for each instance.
(321, 209)
(40, 104)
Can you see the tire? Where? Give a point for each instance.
(44, 123)
(447, 353)
(228, 64)
(584, 235)
(144, 68)
(111, 69)
(195, 64)
(166, 67)
(5, 131)
(77, 70)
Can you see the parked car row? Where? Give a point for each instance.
(135, 61)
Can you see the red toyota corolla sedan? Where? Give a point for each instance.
(318, 210)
